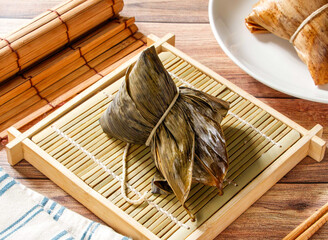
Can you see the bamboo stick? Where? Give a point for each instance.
(99, 50)
(29, 50)
(137, 45)
(53, 82)
(10, 89)
(16, 101)
(17, 112)
(40, 108)
(86, 162)
(69, 160)
(85, 120)
(306, 229)
(173, 207)
(308, 233)
(88, 134)
(81, 159)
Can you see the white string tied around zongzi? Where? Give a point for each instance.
(123, 182)
(162, 118)
(118, 178)
(306, 20)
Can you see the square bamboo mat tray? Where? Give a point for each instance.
(263, 145)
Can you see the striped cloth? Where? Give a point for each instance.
(26, 214)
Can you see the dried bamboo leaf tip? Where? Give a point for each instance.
(181, 126)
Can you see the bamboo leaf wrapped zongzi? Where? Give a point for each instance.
(304, 23)
(181, 126)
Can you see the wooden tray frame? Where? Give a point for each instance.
(22, 147)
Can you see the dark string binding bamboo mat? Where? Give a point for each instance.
(59, 54)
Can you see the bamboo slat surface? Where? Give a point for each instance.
(281, 209)
(63, 74)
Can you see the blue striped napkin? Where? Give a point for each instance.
(26, 214)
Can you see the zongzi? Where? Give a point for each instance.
(304, 23)
(181, 126)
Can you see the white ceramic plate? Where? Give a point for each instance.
(269, 59)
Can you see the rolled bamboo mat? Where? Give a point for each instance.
(65, 73)
(61, 85)
(62, 60)
(51, 31)
(21, 118)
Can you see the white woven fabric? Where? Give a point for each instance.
(26, 214)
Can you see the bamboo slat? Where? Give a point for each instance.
(39, 40)
(52, 64)
(68, 72)
(40, 20)
(69, 86)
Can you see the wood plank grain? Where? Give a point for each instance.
(182, 11)
(278, 212)
(146, 11)
(25, 9)
(7, 25)
(308, 171)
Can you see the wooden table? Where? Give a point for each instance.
(289, 202)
